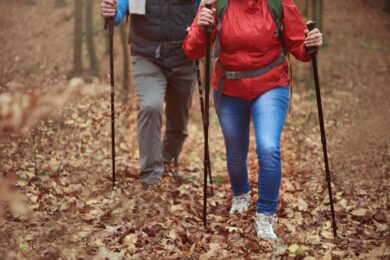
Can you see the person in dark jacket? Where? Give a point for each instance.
(250, 46)
(162, 72)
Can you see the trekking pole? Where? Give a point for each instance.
(109, 24)
(208, 30)
(312, 51)
(201, 99)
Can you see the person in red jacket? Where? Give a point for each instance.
(251, 83)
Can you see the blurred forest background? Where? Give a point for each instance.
(55, 191)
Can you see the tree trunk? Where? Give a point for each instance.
(94, 66)
(60, 3)
(386, 8)
(306, 8)
(317, 13)
(125, 51)
(78, 38)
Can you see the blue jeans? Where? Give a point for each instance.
(268, 113)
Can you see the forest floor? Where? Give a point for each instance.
(60, 169)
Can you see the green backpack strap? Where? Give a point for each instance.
(221, 7)
(276, 10)
(274, 6)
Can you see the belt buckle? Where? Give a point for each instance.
(231, 75)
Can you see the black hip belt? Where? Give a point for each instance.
(158, 46)
(244, 74)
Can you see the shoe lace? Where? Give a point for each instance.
(241, 200)
(263, 220)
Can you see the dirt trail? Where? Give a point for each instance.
(63, 165)
(357, 66)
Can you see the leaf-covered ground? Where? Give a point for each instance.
(76, 213)
(57, 200)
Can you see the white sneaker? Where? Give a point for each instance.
(240, 203)
(264, 226)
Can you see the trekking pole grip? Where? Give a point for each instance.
(210, 27)
(311, 26)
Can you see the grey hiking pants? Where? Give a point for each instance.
(154, 85)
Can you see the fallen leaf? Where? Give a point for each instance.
(290, 227)
(20, 210)
(91, 202)
(293, 248)
(108, 254)
(214, 249)
(177, 208)
(34, 199)
(129, 241)
(328, 245)
(380, 217)
(327, 234)
(172, 234)
(327, 256)
(22, 183)
(24, 246)
(302, 205)
(327, 225)
(359, 212)
(309, 258)
(234, 229)
(339, 253)
(381, 227)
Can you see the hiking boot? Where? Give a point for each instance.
(155, 181)
(150, 178)
(240, 203)
(265, 226)
(172, 169)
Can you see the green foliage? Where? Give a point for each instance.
(218, 180)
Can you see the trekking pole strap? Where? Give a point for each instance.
(233, 75)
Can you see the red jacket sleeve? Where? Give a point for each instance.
(293, 31)
(194, 44)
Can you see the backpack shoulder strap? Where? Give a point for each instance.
(276, 10)
(221, 8)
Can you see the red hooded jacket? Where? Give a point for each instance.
(248, 43)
